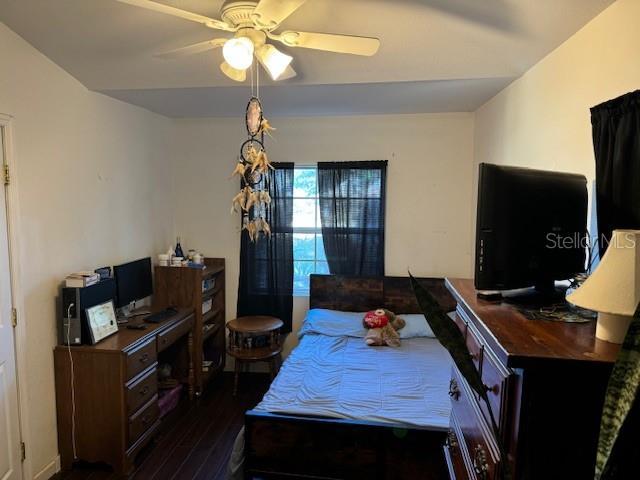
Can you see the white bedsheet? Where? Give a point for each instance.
(341, 377)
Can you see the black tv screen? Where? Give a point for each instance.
(531, 227)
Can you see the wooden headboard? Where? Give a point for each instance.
(360, 294)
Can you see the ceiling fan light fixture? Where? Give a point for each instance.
(273, 60)
(289, 72)
(233, 73)
(238, 53)
(253, 22)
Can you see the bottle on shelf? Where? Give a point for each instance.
(178, 249)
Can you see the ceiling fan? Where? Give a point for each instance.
(253, 23)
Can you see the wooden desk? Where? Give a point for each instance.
(547, 382)
(116, 390)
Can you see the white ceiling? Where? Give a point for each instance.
(436, 55)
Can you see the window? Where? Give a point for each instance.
(308, 249)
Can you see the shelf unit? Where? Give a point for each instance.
(184, 287)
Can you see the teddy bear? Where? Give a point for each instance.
(382, 328)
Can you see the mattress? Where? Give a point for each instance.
(339, 376)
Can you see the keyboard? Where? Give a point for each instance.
(161, 315)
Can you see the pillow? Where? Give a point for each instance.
(416, 326)
(333, 323)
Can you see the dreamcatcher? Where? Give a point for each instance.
(253, 169)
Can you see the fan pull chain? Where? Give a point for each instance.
(252, 89)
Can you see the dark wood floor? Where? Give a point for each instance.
(196, 439)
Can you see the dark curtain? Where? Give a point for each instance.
(616, 142)
(266, 266)
(352, 210)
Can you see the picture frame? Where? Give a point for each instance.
(101, 321)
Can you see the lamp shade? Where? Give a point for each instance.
(614, 287)
(238, 52)
(273, 60)
(232, 73)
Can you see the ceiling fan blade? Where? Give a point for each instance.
(233, 73)
(176, 12)
(193, 49)
(271, 13)
(351, 44)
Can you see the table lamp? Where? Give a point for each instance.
(613, 289)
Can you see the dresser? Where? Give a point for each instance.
(546, 381)
(113, 410)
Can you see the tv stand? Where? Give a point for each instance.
(542, 377)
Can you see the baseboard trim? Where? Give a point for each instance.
(49, 470)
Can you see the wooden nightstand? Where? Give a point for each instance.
(254, 339)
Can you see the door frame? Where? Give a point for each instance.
(17, 294)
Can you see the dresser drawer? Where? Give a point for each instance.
(494, 375)
(496, 378)
(141, 358)
(453, 452)
(474, 434)
(143, 420)
(169, 337)
(472, 337)
(141, 390)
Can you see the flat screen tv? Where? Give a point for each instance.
(531, 228)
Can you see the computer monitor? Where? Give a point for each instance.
(531, 228)
(133, 281)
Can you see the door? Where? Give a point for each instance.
(10, 451)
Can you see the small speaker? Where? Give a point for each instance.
(72, 329)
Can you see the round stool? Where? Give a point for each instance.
(245, 344)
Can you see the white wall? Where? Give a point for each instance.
(94, 190)
(542, 120)
(428, 192)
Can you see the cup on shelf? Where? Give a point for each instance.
(198, 259)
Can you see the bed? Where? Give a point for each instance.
(341, 409)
